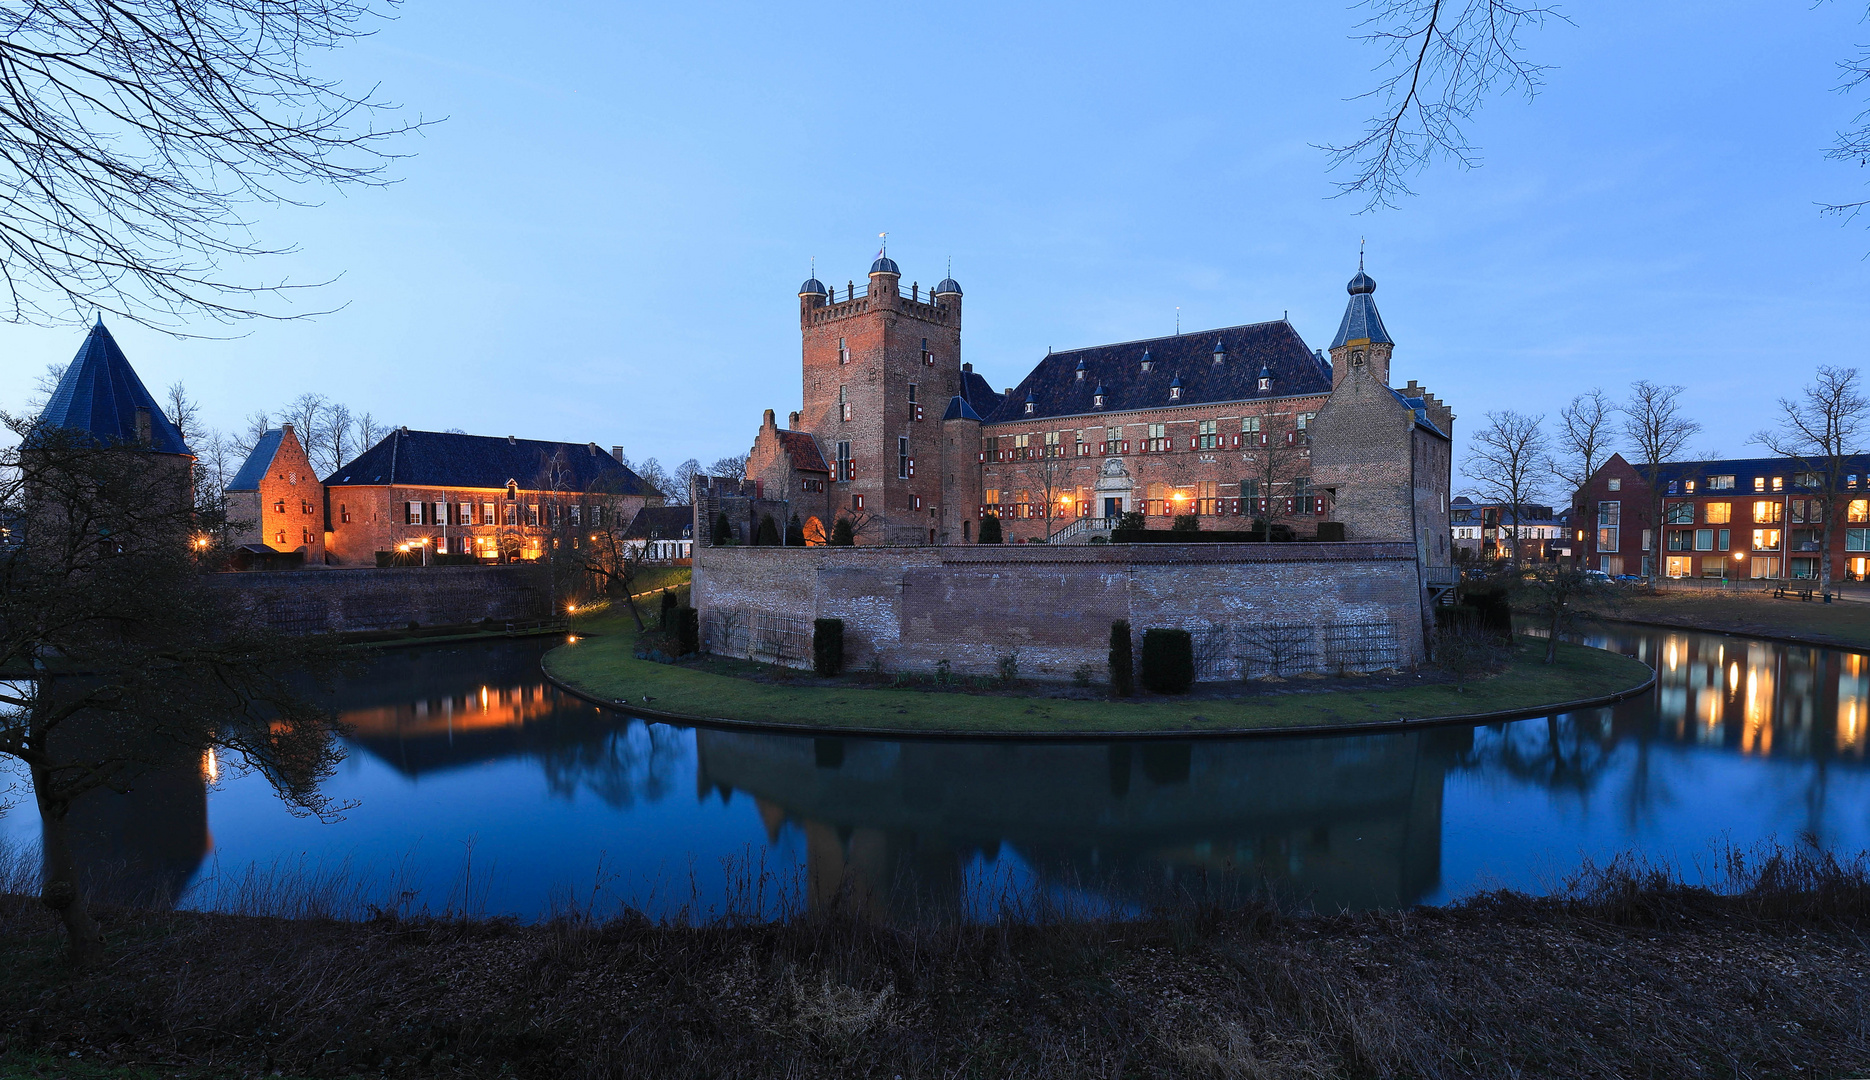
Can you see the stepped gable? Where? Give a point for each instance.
(254, 469)
(1055, 388)
(449, 459)
(101, 394)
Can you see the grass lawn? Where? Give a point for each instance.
(1841, 623)
(605, 668)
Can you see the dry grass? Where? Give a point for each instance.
(1628, 972)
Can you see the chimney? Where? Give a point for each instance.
(966, 368)
(792, 421)
(617, 452)
(593, 447)
(287, 428)
(510, 440)
(144, 436)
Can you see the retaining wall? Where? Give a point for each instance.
(1255, 609)
(328, 600)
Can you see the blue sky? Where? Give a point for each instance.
(603, 239)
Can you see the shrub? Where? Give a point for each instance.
(1331, 532)
(1081, 675)
(1122, 660)
(1490, 612)
(1134, 520)
(668, 608)
(1099, 540)
(795, 532)
(1186, 523)
(842, 535)
(828, 647)
(723, 532)
(944, 672)
(768, 536)
(1009, 668)
(990, 530)
(687, 631)
(1464, 654)
(1168, 660)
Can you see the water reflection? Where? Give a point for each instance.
(1741, 740)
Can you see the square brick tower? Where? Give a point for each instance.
(879, 370)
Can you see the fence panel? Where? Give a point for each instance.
(1368, 646)
(1276, 649)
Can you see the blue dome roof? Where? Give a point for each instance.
(885, 265)
(1361, 284)
(948, 285)
(812, 287)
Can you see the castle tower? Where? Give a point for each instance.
(879, 371)
(1362, 340)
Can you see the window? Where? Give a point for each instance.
(1616, 485)
(928, 358)
(1205, 435)
(1266, 383)
(512, 514)
(344, 513)
(597, 515)
(1681, 513)
(1704, 539)
(464, 513)
(846, 468)
(1022, 447)
(1720, 513)
(1175, 392)
(1808, 511)
(1691, 487)
(1305, 419)
(1250, 431)
(1158, 438)
(577, 515)
(1051, 443)
(857, 502)
(412, 513)
(844, 403)
(1857, 510)
(440, 518)
(486, 514)
(1720, 483)
(1609, 522)
(282, 538)
(1857, 539)
(1768, 512)
(532, 515)
(1766, 539)
(1807, 480)
(279, 507)
(902, 458)
(1779, 483)
(844, 354)
(1031, 405)
(1759, 483)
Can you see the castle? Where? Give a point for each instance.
(1234, 426)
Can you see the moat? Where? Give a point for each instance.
(478, 786)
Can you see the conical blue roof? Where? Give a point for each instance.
(101, 394)
(1361, 321)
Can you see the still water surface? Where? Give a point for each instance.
(478, 785)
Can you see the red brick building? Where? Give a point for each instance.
(276, 500)
(916, 447)
(1743, 519)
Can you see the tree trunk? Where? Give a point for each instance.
(1551, 639)
(60, 888)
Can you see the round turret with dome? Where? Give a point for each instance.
(812, 287)
(885, 265)
(1363, 284)
(947, 287)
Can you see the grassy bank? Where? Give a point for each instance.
(1629, 975)
(1844, 624)
(605, 668)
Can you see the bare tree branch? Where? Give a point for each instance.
(1824, 431)
(1448, 56)
(135, 136)
(1510, 462)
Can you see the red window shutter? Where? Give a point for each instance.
(983, 455)
(912, 471)
(1126, 446)
(918, 412)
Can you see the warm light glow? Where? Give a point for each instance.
(210, 766)
(571, 639)
(1671, 654)
(402, 547)
(1739, 556)
(571, 609)
(1733, 677)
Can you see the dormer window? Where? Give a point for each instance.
(1266, 383)
(1220, 354)
(1175, 393)
(1147, 362)
(1097, 397)
(1029, 408)
(512, 490)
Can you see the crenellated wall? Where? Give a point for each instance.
(1255, 608)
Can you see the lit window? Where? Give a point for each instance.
(487, 514)
(1768, 512)
(1766, 539)
(1717, 483)
(1779, 483)
(1720, 513)
(1759, 483)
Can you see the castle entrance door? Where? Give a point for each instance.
(1113, 487)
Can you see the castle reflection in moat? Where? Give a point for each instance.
(1352, 823)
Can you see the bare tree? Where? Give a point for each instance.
(1445, 57)
(684, 478)
(136, 129)
(334, 438)
(1274, 465)
(369, 432)
(43, 387)
(733, 466)
(1586, 437)
(1657, 429)
(258, 424)
(217, 459)
(184, 412)
(306, 414)
(1823, 430)
(652, 473)
(156, 669)
(1509, 462)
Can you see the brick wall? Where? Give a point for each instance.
(317, 601)
(1297, 605)
(287, 511)
(366, 519)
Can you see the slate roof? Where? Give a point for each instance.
(978, 392)
(253, 470)
(1361, 321)
(959, 409)
(803, 450)
(100, 393)
(447, 459)
(661, 523)
(1055, 389)
(1419, 406)
(1743, 470)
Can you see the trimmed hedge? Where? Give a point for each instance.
(1122, 661)
(1282, 534)
(1331, 532)
(990, 530)
(687, 631)
(668, 608)
(768, 536)
(1168, 660)
(828, 647)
